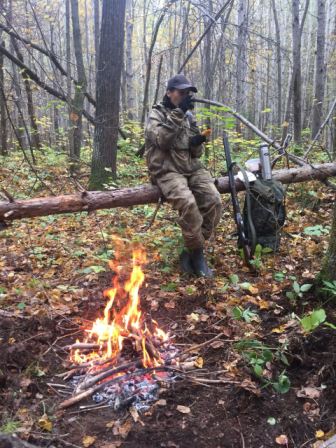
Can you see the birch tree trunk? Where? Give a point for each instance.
(320, 70)
(278, 60)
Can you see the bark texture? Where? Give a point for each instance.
(143, 194)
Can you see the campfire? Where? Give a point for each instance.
(122, 323)
(125, 355)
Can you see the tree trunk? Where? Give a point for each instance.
(320, 69)
(110, 65)
(34, 137)
(68, 66)
(55, 112)
(297, 29)
(22, 133)
(241, 59)
(77, 105)
(149, 60)
(96, 31)
(3, 116)
(143, 194)
(296, 55)
(208, 67)
(130, 95)
(158, 79)
(328, 271)
(278, 59)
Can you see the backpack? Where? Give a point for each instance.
(267, 212)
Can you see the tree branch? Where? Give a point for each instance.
(49, 54)
(246, 122)
(202, 36)
(33, 76)
(323, 125)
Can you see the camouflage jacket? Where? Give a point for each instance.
(167, 140)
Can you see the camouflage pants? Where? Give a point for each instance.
(198, 202)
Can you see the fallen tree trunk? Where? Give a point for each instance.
(143, 194)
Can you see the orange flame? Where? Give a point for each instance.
(110, 331)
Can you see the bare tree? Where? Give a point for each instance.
(149, 59)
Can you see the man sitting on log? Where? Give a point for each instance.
(174, 145)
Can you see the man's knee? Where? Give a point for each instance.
(189, 211)
(211, 200)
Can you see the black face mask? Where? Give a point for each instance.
(167, 103)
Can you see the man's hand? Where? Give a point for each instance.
(207, 132)
(197, 140)
(186, 103)
(200, 138)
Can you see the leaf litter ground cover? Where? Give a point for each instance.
(280, 385)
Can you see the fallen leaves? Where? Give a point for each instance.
(45, 424)
(183, 409)
(282, 440)
(170, 305)
(88, 441)
(199, 362)
(217, 344)
(309, 392)
(311, 410)
(319, 434)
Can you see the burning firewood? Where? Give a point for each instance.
(124, 358)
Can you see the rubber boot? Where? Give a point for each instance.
(185, 263)
(199, 263)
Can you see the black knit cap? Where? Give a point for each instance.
(180, 82)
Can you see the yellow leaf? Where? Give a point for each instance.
(199, 362)
(319, 434)
(193, 317)
(88, 441)
(183, 409)
(253, 289)
(280, 329)
(44, 423)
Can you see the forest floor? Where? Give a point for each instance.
(53, 272)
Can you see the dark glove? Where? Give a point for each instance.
(186, 103)
(197, 140)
